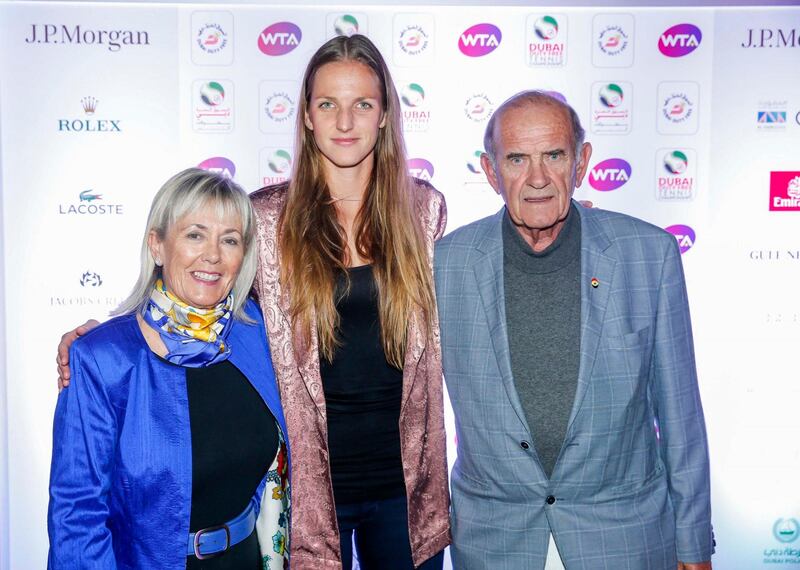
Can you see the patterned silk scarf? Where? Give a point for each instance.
(193, 337)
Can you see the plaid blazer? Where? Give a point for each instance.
(622, 495)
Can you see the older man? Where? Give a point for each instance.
(569, 362)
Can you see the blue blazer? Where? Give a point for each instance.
(121, 475)
(620, 495)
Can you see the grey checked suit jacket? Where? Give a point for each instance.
(625, 497)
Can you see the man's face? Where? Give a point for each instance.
(536, 170)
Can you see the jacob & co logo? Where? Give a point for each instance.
(91, 124)
(610, 174)
(420, 168)
(784, 191)
(91, 279)
(114, 40)
(546, 45)
(279, 38)
(479, 40)
(680, 40)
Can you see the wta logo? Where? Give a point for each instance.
(220, 165)
(420, 168)
(610, 174)
(479, 40)
(680, 40)
(685, 236)
(279, 38)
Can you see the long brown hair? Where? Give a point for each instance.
(387, 230)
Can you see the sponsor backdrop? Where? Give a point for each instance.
(694, 114)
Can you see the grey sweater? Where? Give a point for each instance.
(543, 314)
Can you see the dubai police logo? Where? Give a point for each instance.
(212, 94)
(611, 95)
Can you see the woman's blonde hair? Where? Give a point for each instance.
(387, 230)
(187, 191)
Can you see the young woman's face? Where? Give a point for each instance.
(345, 113)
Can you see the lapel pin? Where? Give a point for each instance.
(595, 282)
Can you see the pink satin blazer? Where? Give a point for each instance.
(314, 542)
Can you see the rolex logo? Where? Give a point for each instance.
(89, 105)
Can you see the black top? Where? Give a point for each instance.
(234, 441)
(363, 394)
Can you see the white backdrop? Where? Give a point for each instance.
(694, 114)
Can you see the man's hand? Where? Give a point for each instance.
(694, 565)
(62, 358)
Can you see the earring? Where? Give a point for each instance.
(158, 262)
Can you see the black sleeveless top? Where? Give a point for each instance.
(234, 442)
(363, 394)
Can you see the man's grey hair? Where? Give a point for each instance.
(534, 97)
(184, 193)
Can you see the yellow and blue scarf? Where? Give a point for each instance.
(193, 337)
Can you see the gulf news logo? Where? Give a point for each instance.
(279, 38)
(680, 40)
(480, 40)
(610, 174)
(784, 191)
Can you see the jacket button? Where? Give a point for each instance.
(550, 499)
(524, 444)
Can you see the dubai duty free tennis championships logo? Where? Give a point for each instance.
(416, 113)
(546, 45)
(279, 38)
(212, 110)
(610, 174)
(413, 39)
(480, 40)
(478, 107)
(611, 107)
(612, 40)
(680, 40)
(275, 165)
(675, 178)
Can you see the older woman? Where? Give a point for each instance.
(168, 447)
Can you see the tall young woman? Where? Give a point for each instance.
(346, 287)
(345, 282)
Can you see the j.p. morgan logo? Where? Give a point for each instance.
(90, 123)
(113, 40)
(771, 38)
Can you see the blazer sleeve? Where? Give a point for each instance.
(680, 415)
(84, 445)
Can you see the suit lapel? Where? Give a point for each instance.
(595, 264)
(489, 277)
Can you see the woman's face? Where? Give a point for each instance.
(345, 113)
(201, 254)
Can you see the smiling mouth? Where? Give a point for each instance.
(206, 277)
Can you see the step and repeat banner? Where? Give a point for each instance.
(694, 115)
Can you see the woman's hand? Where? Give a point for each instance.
(62, 358)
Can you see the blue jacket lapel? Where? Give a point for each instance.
(488, 271)
(595, 264)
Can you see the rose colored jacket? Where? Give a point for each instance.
(314, 533)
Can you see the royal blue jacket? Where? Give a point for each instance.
(121, 475)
